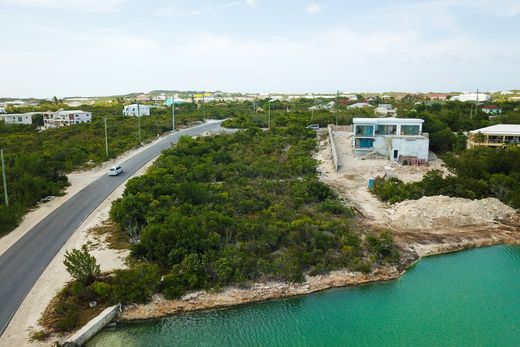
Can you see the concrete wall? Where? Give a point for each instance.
(416, 147)
(405, 146)
(333, 148)
(93, 327)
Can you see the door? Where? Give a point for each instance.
(396, 154)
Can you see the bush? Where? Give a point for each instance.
(135, 285)
(102, 289)
(81, 265)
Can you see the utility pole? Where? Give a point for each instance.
(204, 106)
(173, 113)
(139, 121)
(106, 137)
(269, 112)
(476, 105)
(312, 107)
(6, 197)
(337, 106)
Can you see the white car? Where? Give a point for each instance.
(115, 170)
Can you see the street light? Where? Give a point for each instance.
(139, 122)
(106, 137)
(4, 178)
(269, 112)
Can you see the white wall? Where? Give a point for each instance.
(131, 110)
(416, 147)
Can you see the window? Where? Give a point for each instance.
(409, 130)
(386, 129)
(364, 143)
(365, 130)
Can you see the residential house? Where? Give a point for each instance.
(17, 118)
(385, 110)
(359, 105)
(495, 136)
(491, 109)
(397, 139)
(65, 118)
(136, 110)
(143, 97)
(481, 97)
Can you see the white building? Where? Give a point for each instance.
(495, 136)
(359, 105)
(2, 110)
(135, 110)
(17, 118)
(481, 97)
(397, 139)
(65, 117)
(385, 110)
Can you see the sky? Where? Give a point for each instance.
(107, 47)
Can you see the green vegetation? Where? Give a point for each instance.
(232, 209)
(229, 209)
(477, 173)
(81, 265)
(37, 161)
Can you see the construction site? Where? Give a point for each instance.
(430, 225)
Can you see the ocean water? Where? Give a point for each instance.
(471, 298)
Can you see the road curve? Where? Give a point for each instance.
(23, 263)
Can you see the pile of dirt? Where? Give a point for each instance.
(436, 212)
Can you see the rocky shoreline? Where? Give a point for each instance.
(160, 307)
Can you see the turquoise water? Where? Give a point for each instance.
(470, 298)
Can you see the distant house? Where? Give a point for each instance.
(438, 96)
(397, 139)
(135, 110)
(495, 136)
(326, 106)
(161, 97)
(359, 105)
(491, 109)
(385, 110)
(62, 118)
(17, 118)
(143, 97)
(481, 97)
(2, 110)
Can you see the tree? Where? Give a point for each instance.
(81, 265)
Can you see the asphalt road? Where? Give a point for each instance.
(23, 263)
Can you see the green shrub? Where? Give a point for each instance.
(101, 289)
(135, 285)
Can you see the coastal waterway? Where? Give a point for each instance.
(470, 298)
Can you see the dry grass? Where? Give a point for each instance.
(114, 237)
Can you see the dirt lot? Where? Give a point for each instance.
(429, 225)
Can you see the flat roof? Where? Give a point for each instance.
(387, 120)
(499, 129)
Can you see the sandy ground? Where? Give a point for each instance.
(430, 225)
(54, 278)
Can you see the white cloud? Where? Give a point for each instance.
(88, 6)
(313, 8)
(250, 3)
(354, 60)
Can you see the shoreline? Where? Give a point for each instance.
(159, 307)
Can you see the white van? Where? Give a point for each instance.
(115, 170)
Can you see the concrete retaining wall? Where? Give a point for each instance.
(333, 148)
(93, 327)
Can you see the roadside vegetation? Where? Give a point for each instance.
(37, 161)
